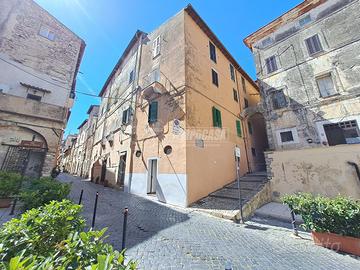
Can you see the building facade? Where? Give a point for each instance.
(171, 115)
(39, 59)
(307, 64)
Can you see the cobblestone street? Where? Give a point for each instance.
(163, 237)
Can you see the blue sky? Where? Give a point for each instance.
(108, 25)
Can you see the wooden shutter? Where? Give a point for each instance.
(219, 118)
(153, 112)
(214, 116)
(238, 128)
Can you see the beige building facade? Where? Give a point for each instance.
(171, 115)
(39, 61)
(307, 67)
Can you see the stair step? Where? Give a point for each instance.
(228, 197)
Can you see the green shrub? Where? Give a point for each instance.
(339, 215)
(10, 184)
(38, 231)
(41, 191)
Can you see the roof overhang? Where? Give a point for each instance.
(36, 88)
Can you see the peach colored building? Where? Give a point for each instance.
(171, 115)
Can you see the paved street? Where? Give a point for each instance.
(162, 237)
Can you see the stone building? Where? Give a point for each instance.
(39, 61)
(170, 115)
(308, 69)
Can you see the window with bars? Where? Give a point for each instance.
(215, 77)
(232, 72)
(212, 51)
(278, 99)
(313, 44)
(271, 65)
(326, 85)
(216, 117)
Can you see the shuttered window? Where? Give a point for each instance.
(153, 112)
(238, 128)
(271, 64)
(156, 46)
(215, 78)
(326, 86)
(216, 117)
(313, 44)
(235, 94)
(212, 51)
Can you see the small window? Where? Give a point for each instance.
(253, 151)
(126, 116)
(131, 76)
(236, 98)
(304, 21)
(326, 86)
(278, 99)
(243, 83)
(266, 42)
(238, 128)
(313, 45)
(215, 78)
(232, 72)
(153, 112)
(250, 128)
(246, 103)
(216, 117)
(286, 136)
(271, 65)
(46, 33)
(33, 97)
(212, 51)
(156, 46)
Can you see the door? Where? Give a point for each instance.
(152, 181)
(35, 163)
(121, 171)
(103, 171)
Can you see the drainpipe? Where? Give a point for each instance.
(134, 95)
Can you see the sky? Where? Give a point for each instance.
(107, 26)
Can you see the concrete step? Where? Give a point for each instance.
(277, 211)
(234, 193)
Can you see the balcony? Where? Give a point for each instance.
(156, 83)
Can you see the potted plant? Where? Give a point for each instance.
(333, 222)
(10, 184)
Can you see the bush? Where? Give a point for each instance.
(41, 191)
(10, 184)
(38, 231)
(339, 215)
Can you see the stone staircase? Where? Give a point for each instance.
(224, 202)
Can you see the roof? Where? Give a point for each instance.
(35, 87)
(91, 107)
(82, 124)
(132, 42)
(287, 17)
(201, 23)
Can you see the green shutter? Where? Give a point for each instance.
(219, 118)
(214, 116)
(153, 112)
(238, 128)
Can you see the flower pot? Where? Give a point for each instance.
(337, 242)
(5, 202)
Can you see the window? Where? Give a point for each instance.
(346, 132)
(131, 76)
(33, 97)
(212, 51)
(278, 99)
(286, 136)
(47, 33)
(238, 128)
(215, 78)
(326, 86)
(266, 42)
(216, 117)
(250, 128)
(271, 65)
(253, 151)
(153, 112)
(126, 116)
(304, 21)
(232, 72)
(236, 98)
(156, 46)
(243, 83)
(246, 103)
(313, 44)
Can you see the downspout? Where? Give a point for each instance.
(134, 94)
